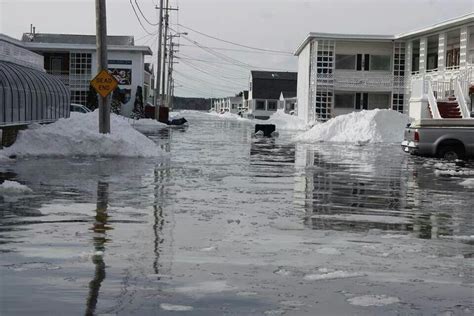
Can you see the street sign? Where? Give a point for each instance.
(104, 83)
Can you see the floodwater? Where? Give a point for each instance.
(230, 224)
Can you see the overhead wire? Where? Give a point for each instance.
(234, 43)
(139, 21)
(144, 17)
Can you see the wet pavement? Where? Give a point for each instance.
(230, 224)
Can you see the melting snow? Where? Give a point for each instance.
(13, 187)
(207, 287)
(468, 183)
(374, 126)
(79, 136)
(176, 308)
(373, 300)
(332, 275)
(284, 121)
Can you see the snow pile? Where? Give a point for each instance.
(13, 187)
(228, 116)
(374, 126)
(176, 308)
(284, 121)
(79, 136)
(373, 300)
(469, 183)
(332, 275)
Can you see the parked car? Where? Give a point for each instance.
(445, 138)
(79, 108)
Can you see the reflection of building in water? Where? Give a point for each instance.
(266, 152)
(100, 228)
(350, 190)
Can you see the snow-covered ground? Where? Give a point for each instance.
(79, 136)
(373, 126)
(284, 121)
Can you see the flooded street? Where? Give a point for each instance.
(229, 224)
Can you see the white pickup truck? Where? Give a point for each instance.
(444, 138)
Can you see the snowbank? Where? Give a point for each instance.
(13, 187)
(79, 136)
(469, 183)
(227, 116)
(284, 121)
(374, 126)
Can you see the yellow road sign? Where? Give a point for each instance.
(104, 83)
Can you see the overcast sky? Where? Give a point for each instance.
(268, 24)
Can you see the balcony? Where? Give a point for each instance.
(365, 80)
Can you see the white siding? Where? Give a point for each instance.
(303, 82)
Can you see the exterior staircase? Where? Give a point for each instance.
(449, 108)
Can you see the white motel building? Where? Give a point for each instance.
(426, 73)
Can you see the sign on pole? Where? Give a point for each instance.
(104, 83)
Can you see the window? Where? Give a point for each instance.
(397, 102)
(323, 104)
(260, 105)
(453, 58)
(415, 62)
(361, 101)
(345, 62)
(272, 106)
(344, 101)
(379, 101)
(363, 62)
(380, 62)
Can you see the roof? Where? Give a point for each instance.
(124, 40)
(276, 75)
(269, 85)
(468, 18)
(66, 42)
(14, 51)
(289, 94)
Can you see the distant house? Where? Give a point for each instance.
(228, 104)
(148, 84)
(73, 59)
(265, 88)
(245, 101)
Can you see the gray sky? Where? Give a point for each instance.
(269, 24)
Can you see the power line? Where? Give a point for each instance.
(205, 72)
(143, 15)
(139, 21)
(231, 49)
(204, 81)
(236, 44)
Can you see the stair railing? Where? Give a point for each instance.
(432, 103)
(458, 93)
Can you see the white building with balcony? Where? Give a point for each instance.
(72, 58)
(341, 73)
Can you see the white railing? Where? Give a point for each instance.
(433, 104)
(359, 79)
(458, 92)
(443, 89)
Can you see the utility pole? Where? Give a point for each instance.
(170, 69)
(102, 63)
(163, 69)
(158, 62)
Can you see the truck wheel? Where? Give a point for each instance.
(450, 153)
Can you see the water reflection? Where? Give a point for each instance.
(100, 228)
(355, 190)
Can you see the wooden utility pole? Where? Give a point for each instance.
(158, 63)
(102, 63)
(163, 69)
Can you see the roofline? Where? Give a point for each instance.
(451, 22)
(62, 46)
(342, 36)
(367, 37)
